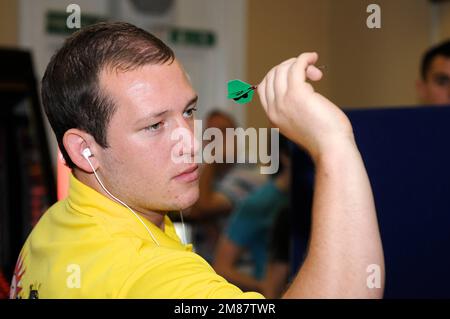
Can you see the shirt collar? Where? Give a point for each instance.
(87, 201)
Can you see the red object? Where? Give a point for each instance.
(4, 287)
(63, 173)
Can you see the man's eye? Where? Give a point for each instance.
(190, 112)
(154, 127)
(442, 80)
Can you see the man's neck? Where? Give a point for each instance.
(90, 180)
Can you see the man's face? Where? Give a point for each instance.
(435, 90)
(138, 166)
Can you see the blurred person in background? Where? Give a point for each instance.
(278, 269)
(434, 85)
(242, 252)
(222, 187)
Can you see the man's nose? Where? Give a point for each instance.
(190, 145)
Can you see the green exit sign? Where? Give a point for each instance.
(191, 37)
(56, 22)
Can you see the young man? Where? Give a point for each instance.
(434, 86)
(114, 94)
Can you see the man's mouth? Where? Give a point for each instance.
(190, 174)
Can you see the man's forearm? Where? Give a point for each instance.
(345, 237)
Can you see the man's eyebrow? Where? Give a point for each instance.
(191, 101)
(157, 114)
(150, 116)
(441, 75)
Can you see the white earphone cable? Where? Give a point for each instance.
(118, 200)
(184, 229)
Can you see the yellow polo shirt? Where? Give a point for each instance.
(88, 246)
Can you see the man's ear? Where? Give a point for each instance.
(75, 141)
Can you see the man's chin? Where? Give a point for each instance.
(187, 200)
(190, 203)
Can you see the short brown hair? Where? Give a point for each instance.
(442, 49)
(71, 94)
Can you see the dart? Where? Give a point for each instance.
(240, 91)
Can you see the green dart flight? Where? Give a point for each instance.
(240, 91)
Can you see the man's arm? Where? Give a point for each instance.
(345, 238)
(274, 283)
(171, 273)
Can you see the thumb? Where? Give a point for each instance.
(313, 73)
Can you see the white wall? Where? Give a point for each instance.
(226, 61)
(33, 36)
(209, 68)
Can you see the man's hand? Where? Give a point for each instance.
(345, 239)
(303, 115)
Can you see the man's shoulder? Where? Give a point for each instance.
(61, 235)
(172, 273)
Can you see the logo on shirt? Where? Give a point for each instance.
(34, 291)
(16, 283)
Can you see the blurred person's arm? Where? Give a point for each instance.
(274, 284)
(345, 238)
(252, 218)
(277, 274)
(225, 264)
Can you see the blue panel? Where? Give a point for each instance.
(407, 155)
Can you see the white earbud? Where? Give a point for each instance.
(86, 153)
